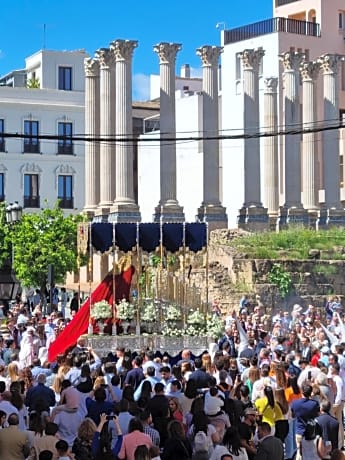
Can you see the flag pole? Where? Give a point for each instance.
(90, 328)
(113, 326)
(207, 272)
(139, 294)
(184, 313)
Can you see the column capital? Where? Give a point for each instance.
(91, 67)
(309, 70)
(105, 57)
(167, 52)
(329, 63)
(291, 60)
(209, 55)
(123, 49)
(251, 58)
(271, 84)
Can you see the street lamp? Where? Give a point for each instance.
(9, 284)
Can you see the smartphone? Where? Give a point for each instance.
(111, 417)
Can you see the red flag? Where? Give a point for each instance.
(79, 324)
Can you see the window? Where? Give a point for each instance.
(31, 191)
(238, 66)
(341, 20)
(65, 191)
(2, 187)
(65, 145)
(65, 78)
(2, 139)
(31, 144)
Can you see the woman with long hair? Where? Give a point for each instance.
(188, 396)
(207, 363)
(18, 401)
(142, 453)
(13, 372)
(83, 442)
(253, 376)
(201, 422)
(177, 445)
(232, 442)
(145, 395)
(175, 409)
(268, 408)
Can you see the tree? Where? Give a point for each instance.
(40, 239)
(5, 239)
(33, 83)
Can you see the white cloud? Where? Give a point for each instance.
(141, 87)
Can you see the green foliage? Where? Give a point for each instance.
(281, 279)
(5, 236)
(33, 83)
(327, 270)
(40, 239)
(293, 243)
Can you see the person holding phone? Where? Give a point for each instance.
(102, 441)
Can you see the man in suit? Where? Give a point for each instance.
(329, 424)
(14, 444)
(269, 447)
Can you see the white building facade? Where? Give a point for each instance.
(35, 170)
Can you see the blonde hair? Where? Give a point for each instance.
(207, 362)
(99, 382)
(12, 371)
(177, 402)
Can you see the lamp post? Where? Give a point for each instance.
(9, 284)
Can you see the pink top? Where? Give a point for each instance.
(131, 441)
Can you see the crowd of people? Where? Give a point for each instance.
(272, 387)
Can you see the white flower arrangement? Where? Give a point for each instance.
(196, 318)
(171, 331)
(214, 326)
(173, 313)
(125, 310)
(149, 313)
(101, 310)
(195, 330)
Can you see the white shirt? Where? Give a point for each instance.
(339, 396)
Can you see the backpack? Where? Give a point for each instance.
(311, 429)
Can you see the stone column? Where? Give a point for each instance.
(331, 161)
(252, 214)
(92, 177)
(168, 208)
(211, 210)
(309, 74)
(292, 143)
(124, 208)
(106, 61)
(271, 148)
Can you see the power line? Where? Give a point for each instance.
(127, 139)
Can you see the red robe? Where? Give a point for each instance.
(80, 322)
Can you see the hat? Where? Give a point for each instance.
(200, 442)
(297, 308)
(325, 349)
(250, 411)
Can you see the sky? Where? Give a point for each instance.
(27, 27)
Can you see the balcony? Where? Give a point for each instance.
(31, 147)
(284, 2)
(31, 201)
(65, 149)
(65, 203)
(2, 145)
(270, 26)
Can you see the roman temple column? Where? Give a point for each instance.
(292, 211)
(252, 214)
(92, 177)
(331, 160)
(211, 210)
(309, 74)
(106, 62)
(271, 196)
(168, 208)
(124, 208)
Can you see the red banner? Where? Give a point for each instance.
(79, 324)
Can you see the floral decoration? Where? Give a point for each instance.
(149, 313)
(196, 318)
(125, 310)
(101, 310)
(172, 331)
(214, 326)
(173, 313)
(195, 330)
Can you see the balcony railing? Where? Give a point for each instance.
(31, 147)
(65, 203)
(31, 201)
(2, 145)
(66, 149)
(284, 2)
(270, 26)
